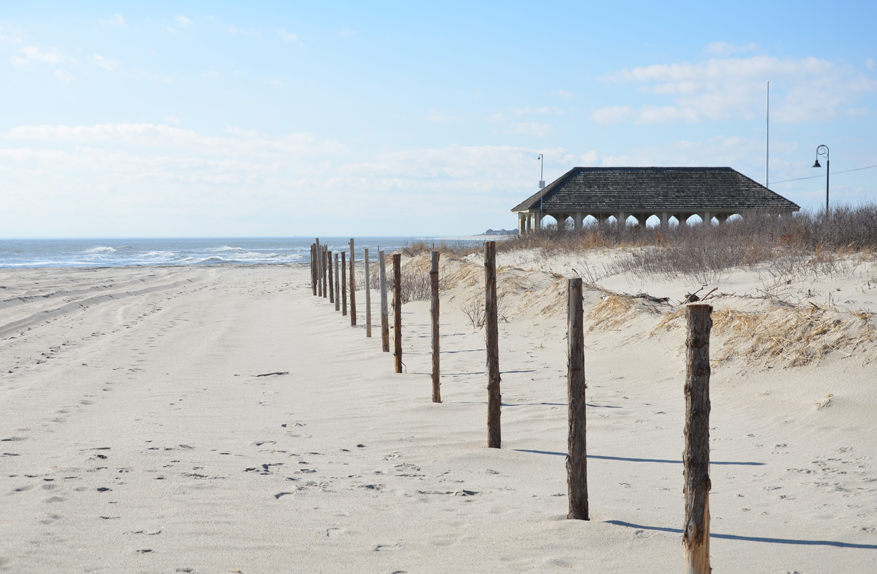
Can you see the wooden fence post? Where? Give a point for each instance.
(385, 313)
(343, 283)
(331, 286)
(337, 286)
(352, 287)
(318, 254)
(434, 315)
(324, 259)
(576, 461)
(696, 456)
(397, 310)
(313, 270)
(494, 398)
(368, 297)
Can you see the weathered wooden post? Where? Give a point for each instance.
(696, 456)
(494, 398)
(324, 262)
(331, 286)
(337, 286)
(318, 253)
(368, 297)
(576, 461)
(385, 313)
(313, 270)
(434, 315)
(397, 310)
(352, 287)
(343, 283)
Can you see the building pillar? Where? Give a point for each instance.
(539, 217)
(665, 220)
(722, 217)
(521, 225)
(707, 217)
(621, 217)
(529, 222)
(577, 221)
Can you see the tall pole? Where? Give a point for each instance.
(767, 143)
(823, 150)
(827, 173)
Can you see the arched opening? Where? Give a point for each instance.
(653, 221)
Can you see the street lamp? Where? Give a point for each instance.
(823, 150)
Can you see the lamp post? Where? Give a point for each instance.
(541, 159)
(823, 150)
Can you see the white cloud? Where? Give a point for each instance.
(138, 176)
(725, 49)
(116, 20)
(210, 74)
(182, 20)
(612, 114)
(288, 36)
(108, 64)
(437, 116)
(590, 158)
(564, 94)
(33, 54)
(234, 30)
(733, 88)
(869, 63)
(64, 76)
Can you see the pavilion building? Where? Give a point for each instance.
(642, 192)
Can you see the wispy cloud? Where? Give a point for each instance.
(612, 114)
(108, 64)
(532, 129)
(182, 20)
(63, 76)
(733, 88)
(210, 75)
(116, 20)
(34, 54)
(234, 30)
(726, 49)
(287, 36)
(869, 63)
(563, 94)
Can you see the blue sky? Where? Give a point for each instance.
(391, 118)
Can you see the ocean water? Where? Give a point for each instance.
(187, 251)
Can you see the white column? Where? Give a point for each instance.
(577, 219)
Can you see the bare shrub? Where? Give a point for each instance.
(817, 243)
(475, 313)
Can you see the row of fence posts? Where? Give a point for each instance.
(695, 457)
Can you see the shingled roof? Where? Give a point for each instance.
(651, 189)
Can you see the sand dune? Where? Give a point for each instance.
(138, 436)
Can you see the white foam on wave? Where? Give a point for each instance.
(100, 249)
(226, 248)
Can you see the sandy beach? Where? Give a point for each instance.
(139, 435)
